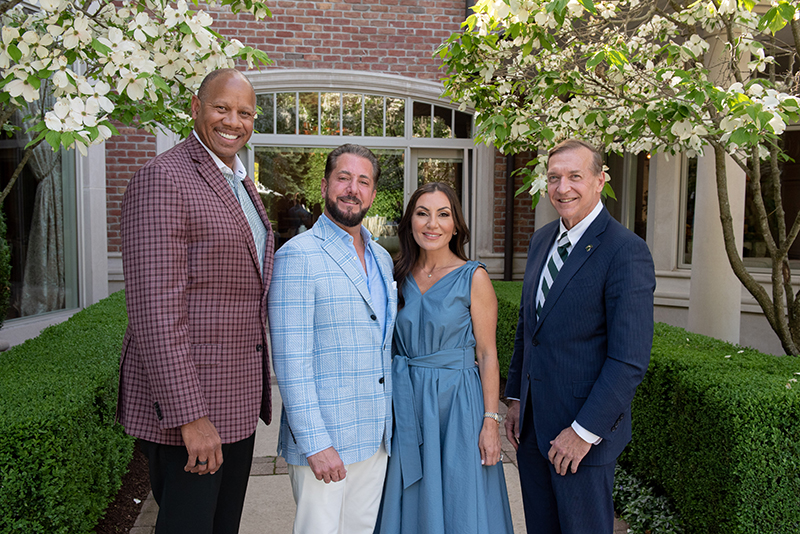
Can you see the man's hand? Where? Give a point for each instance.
(327, 466)
(568, 449)
(203, 445)
(512, 423)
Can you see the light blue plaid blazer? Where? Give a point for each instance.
(332, 359)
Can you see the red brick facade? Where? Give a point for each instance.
(523, 214)
(387, 36)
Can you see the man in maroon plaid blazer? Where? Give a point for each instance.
(197, 253)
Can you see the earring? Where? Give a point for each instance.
(455, 233)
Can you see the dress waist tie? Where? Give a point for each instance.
(405, 413)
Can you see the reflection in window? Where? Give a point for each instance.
(442, 122)
(463, 127)
(265, 120)
(330, 104)
(285, 114)
(308, 110)
(395, 117)
(42, 232)
(421, 119)
(447, 170)
(373, 116)
(351, 114)
(289, 183)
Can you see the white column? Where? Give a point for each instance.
(92, 225)
(715, 299)
(663, 210)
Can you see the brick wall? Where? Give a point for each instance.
(391, 36)
(125, 154)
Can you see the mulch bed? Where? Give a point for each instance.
(122, 513)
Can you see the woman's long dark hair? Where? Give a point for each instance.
(409, 249)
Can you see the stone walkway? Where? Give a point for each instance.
(269, 506)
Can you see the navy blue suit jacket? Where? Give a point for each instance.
(584, 357)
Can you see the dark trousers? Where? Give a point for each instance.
(579, 503)
(199, 504)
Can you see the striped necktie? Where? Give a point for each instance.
(554, 264)
(250, 212)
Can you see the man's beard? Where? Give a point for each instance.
(347, 220)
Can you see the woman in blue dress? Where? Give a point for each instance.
(444, 475)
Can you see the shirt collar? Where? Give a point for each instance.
(238, 167)
(343, 235)
(576, 232)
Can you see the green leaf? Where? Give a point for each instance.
(14, 52)
(616, 58)
(748, 4)
(524, 188)
(590, 117)
(100, 47)
(35, 82)
(740, 136)
(608, 191)
(548, 133)
(787, 11)
(159, 82)
(589, 5)
(53, 139)
(596, 60)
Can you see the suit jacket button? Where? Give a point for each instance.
(373, 317)
(535, 342)
(259, 347)
(380, 380)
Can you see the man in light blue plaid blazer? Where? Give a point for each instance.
(332, 308)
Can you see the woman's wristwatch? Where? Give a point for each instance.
(494, 415)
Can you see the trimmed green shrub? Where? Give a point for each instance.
(509, 295)
(62, 456)
(717, 427)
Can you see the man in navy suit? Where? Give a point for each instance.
(582, 347)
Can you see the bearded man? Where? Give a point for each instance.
(332, 308)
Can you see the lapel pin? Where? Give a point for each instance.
(588, 248)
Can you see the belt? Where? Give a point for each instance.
(405, 413)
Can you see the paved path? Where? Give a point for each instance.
(269, 506)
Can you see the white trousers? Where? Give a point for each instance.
(349, 506)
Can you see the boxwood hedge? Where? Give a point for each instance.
(62, 456)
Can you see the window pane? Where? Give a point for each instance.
(395, 117)
(288, 181)
(463, 125)
(422, 119)
(442, 122)
(351, 114)
(755, 249)
(691, 189)
(330, 113)
(447, 170)
(41, 227)
(286, 114)
(373, 116)
(265, 121)
(308, 107)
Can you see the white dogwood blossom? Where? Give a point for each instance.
(88, 64)
(638, 76)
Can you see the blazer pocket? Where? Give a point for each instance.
(581, 390)
(206, 354)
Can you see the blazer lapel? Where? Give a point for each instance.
(342, 256)
(212, 175)
(587, 245)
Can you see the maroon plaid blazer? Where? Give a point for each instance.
(197, 304)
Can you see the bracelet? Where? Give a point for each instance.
(494, 415)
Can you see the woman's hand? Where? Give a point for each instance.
(489, 442)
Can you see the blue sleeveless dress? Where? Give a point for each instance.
(435, 483)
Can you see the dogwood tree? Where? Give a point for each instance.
(713, 77)
(70, 68)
